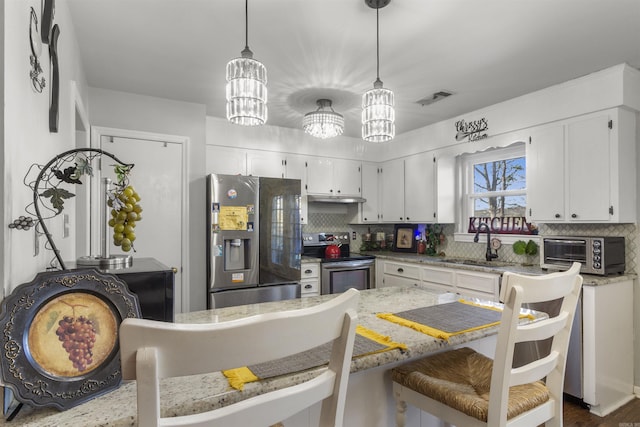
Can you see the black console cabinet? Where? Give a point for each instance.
(153, 283)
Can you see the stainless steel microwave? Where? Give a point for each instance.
(598, 255)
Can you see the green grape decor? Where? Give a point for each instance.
(126, 211)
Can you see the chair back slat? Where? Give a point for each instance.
(541, 329)
(533, 371)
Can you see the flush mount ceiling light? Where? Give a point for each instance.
(246, 86)
(378, 114)
(322, 123)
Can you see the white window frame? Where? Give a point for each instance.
(465, 173)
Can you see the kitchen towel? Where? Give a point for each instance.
(366, 342)
(446, 320)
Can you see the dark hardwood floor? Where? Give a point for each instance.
(578, 416)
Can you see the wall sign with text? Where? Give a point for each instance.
(503, 225)
(472, 131)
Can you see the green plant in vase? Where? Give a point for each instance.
(528, 249)
(433, 237)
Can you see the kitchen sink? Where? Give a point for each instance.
(479, 262)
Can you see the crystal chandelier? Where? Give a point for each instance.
(322, 123)
(246, 86)
(378, 114)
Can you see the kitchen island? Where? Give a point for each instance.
(369, 400)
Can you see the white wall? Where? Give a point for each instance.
(593, 92)
(143, 113)
(295, 141)
(27, 139)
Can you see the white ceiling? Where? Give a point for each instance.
(484, 51)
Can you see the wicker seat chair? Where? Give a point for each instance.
(151, 350)
(466, 389)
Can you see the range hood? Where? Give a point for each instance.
(334, 199)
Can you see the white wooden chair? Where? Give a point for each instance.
(454, 385)
(151, 350)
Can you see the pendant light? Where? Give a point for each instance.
(378, 114)
(322, 123)
(246, 86)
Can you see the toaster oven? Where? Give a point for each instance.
(598, 255)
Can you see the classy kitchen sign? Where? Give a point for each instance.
(472, 131)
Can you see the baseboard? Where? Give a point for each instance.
(636, 390)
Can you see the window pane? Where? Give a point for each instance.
(500, 175)
(499, 206)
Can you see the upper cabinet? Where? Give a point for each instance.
(295, 168)
(370, 209)
(582, 170)
(392, 191)
(226, 160)
(333, 177)
(269, 164)
(418, 188)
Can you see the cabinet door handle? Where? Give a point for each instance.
(307, 271)
(574, 216)
(400, 270)
(557, 215)
(408, 219)
(308, 286)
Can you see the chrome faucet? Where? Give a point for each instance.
(489, 255)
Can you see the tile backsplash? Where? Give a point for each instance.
(335, 218)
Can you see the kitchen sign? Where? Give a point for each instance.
(472, 131)
(502, 225)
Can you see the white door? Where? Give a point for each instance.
(157, 178)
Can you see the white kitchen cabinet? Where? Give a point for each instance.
(545, 174)
(478, 284)
(443, 279)
(417, 189)
(467, 283)
(392, 191)
(607, 346)
(333, 177)
(582, 170)
(400, 274)
(369, 211)
(420, 188)
(295, 168)
(226, 160)
(265, 163)
(309, 278)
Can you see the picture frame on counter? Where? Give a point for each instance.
(404, 238)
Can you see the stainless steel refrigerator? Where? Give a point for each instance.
(254, 240)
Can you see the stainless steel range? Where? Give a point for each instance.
(341, 273)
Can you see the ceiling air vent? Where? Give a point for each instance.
(434, 98)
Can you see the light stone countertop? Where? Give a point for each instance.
(197, 393)
(498, 267)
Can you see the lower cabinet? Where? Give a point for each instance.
(309, 279)
(607, 346)
(464, 282)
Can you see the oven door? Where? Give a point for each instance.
(562, 252)
(337, 277)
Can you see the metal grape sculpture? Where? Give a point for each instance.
(68, 168)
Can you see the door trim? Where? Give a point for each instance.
(97, 132)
